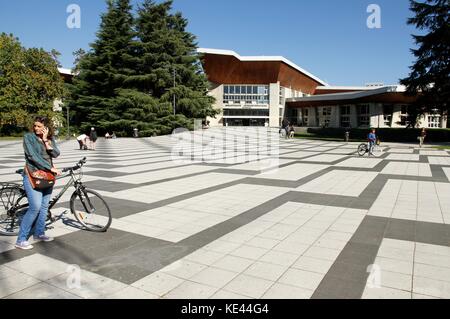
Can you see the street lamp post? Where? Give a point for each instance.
(68, 124)
(174, 85)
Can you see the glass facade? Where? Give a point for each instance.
(363, 112)
(345, 116)
(248, 94)
(434, 121)
(324, 116)
(245, 112)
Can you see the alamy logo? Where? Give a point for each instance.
(374, 20)
(74, 279)
(374, 279)
(257, 145)
(74, 19)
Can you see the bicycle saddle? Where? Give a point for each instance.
(20, 171)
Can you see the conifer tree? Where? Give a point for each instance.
(430, 74)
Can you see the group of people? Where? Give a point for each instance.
(108, 136)
(372, 139)
(83, 140)
(287, 129)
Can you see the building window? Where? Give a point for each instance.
(345, 116)
(245, 112)
(434, 121)
(363, 115)
(305, 114)
(387, 114)
(249, 94)
(404, 116)
(281, 97)
(324, 116)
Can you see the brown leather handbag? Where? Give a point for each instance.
(40, 179)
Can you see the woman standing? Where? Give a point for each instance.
(39, 147)
(422, 136)
(93, 138)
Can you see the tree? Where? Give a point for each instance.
(104, 69)
(169, 65)
(126, 81)
(29, 83)
(429, 77)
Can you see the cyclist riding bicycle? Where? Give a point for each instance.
(371, 139)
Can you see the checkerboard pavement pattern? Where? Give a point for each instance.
(217, 214)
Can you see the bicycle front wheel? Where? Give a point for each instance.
(91, 210)
(362, 149)
(376, 151)
(13, 205)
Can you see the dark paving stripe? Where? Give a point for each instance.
(105, 166)
(236, 171)
(438, 173)
(119, 207)
(119, 255)
(424, 232)
(109, 186)
(348, 275)
(107, 174)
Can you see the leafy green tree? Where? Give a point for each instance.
(126, 80)
(429, 77)
(169, 65)
(104, 69)
(29, 83)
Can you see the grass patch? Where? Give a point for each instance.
(10, 138)
(330, 139)
(442, 147)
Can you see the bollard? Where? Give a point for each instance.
(347, 136)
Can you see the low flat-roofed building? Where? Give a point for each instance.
(263, 90)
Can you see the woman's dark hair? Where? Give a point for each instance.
(44, 120)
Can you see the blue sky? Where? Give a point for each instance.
(328, 38)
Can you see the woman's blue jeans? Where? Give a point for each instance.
(37, 211)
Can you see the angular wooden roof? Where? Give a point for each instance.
(227, 67)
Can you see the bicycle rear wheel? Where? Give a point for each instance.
(13, 205)
(91, 210)
(362, 149)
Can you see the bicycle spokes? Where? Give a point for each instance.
(91, 210)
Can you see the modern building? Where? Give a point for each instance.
(262, 90)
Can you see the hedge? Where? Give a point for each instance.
(385, 134)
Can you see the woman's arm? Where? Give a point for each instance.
(52, 148)
(33, 154)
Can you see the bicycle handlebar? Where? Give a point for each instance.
(76, 167)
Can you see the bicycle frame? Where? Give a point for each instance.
(78, 187)
(55, 199)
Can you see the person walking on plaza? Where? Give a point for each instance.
(422, 136)
(39, 148)
(372, 139)
(93, 138)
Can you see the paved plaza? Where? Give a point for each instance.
(235, 214)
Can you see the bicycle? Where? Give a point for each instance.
(88, 206)
(364, 148)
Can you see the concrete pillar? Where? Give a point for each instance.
(274, 103)
(353, 116)
(376, 115)
(217, 93)
(397, 110)
(334, 120)
(443, 121)
(312, 117)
